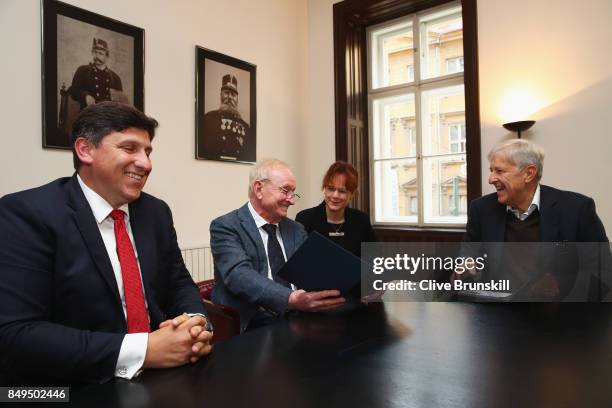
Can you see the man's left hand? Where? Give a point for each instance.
(202, 338)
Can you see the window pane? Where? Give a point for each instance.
(443, 118)
(394, 127)
(393, 55)
(454, 65)
(441, 43)
(396, 191)
(444, 185)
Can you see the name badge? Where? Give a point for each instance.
(336, 234)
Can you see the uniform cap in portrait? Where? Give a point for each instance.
(99, 44)
(229, 82)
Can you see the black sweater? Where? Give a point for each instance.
(356, 227)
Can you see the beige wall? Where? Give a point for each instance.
(557, 53)
(268, 33)
(318, 145)
(553, 62)
(557, 59)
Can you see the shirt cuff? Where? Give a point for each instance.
(132, 355)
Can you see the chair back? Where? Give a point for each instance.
(206, 287)
(225, 319)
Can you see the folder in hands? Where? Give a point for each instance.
(320, 264)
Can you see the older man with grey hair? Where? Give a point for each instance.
(251, 244)
(523, 210)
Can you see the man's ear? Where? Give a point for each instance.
(530, 173)
(257, 186)
(83, 149)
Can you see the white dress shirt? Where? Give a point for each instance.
(535, 203)
(260, 222)
(134, 345)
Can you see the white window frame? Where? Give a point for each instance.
(382, 69)
(417, 87)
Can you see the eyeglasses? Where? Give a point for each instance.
(289, 195)
(332, 190)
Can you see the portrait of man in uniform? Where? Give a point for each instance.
(229, 136)
(225, 124)
(96, 82)
(87, 58)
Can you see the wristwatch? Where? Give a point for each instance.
(209, 326)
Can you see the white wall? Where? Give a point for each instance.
(318, 146)
(549, 59)
(557, 54)
(268, 33)
(553, 60)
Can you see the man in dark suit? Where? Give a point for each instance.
(90, 266)
(523, 210)
(250, 245)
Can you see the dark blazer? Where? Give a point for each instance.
(564, 216)
(241, 265)
(582, 271)
(61, 319)
(357, 227)
(227, 135)
(88, 80)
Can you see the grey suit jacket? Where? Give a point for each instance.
(241, 267)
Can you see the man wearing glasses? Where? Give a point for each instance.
(251, 244)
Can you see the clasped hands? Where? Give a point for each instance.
(178, 341)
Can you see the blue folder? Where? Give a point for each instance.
(321, 264)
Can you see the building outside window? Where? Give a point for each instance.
(418, 139)
(457, 138)
(454, 65)
(410, 73)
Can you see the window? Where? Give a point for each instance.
(456, 134)
(410, 69)
(454, 65)
(414, 205)
(394, 50)
(417, 121)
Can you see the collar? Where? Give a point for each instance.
(99, 206)
(259, 220)
(535, 204)
(93, 66)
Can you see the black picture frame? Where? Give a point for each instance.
(70, 35)
(226, 127)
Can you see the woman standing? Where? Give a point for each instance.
(333, 218)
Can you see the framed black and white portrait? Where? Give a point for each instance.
(87, 58)
(225, 108)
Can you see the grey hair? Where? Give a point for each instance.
(521, 153)
(261, 171)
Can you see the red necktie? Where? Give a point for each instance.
(137, 320)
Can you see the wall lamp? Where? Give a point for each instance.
(519, 126)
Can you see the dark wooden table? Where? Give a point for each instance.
(395, 355)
